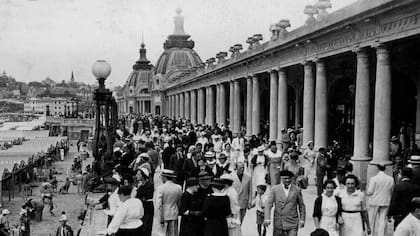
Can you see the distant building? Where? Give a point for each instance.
(135, 96)
(49, 106)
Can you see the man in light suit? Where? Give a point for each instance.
(289, 209)
(379, 191)
(168, 201)
(242, 185)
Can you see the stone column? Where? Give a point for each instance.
(222, 103)
(237, 107)
(255, 105)
(169, 106)
(417, 134)
(207, 106)
(297, 108)
(201, 111)
(382, 114)
(248, 106)
(361, 117)
(211, 106)
(177, 106)
(273, 105)
(231, 104)
(173, 106)
(193, 109)
(187, 105)
(282, 102)
(308, 104)
(321, 106)
(218, 104)
(181, 105)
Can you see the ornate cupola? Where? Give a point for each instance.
(142, 62)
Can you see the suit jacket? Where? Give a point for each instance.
(380, 189)
(168, 200)
(287, 210)
(244, 189)
(401, 198)
(190, 170)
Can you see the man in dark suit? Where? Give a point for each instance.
(190, 166)
(289, 209)
(401, 196)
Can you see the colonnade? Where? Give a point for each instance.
(207, 105)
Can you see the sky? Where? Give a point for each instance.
(52, 38)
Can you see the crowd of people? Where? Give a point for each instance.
(211, 177)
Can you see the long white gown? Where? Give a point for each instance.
(259, 172)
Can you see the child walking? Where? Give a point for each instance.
(259, 201)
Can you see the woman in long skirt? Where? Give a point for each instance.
(215, 209)
(144, 192)
(190, 210)
(259, 164)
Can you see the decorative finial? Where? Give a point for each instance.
(310, 10)
(142, 40)
(322, 6)
(179, 23)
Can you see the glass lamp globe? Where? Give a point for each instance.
(101, 69)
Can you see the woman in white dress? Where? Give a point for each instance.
(354, 214)
(328, 210)
(233, 221)
(308, 161)
(259, 164)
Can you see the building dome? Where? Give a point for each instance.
(179, 53)
(139, 79)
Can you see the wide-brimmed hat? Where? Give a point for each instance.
(203, 175)
(144, 156)
(227, 178)
(168, 173)
(260, 148)
(414, 159)
(217, 182)
(5, 212)
(209, 154)
(192, 181)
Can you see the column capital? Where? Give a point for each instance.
(357, 49)
(318, 60)
(306, 62)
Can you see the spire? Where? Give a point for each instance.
(179, 23)
(142, 62)
(72, 77)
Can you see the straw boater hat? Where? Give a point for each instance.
(5, 212)
(260, 148)
(168, 173)
(414, 160)
(217, 182)
(209, 154)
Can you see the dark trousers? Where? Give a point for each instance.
(149, 212)
(320, 182)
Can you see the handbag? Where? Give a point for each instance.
(232, 222)
(302, 181)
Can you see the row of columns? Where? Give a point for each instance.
(211, 107)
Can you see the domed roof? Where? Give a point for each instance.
(142, 71)
(177, 58)
(179, 53)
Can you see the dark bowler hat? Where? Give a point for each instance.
(192, 181)
(286, 173)
(320, 232)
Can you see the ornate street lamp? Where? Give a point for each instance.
(106, 119)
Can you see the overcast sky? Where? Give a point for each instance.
(50, 38)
